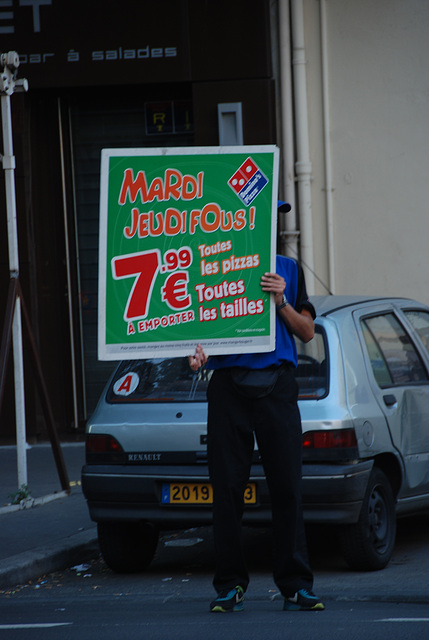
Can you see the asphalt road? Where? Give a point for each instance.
(171, 599)
(82, 615)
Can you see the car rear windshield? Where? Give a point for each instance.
(158, 380)
(172, 380)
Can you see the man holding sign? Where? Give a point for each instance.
(186, 257)
(256, 395)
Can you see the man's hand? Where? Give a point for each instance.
(198, 359)
(274, 283)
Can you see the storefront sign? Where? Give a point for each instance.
(80, 43)
(76, 43)
(185, 235)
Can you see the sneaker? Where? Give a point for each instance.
(228, 601)
(303, 600)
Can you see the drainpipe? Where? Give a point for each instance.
(288, 231)
(303, 166)
(327, 128)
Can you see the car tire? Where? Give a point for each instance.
(368, 545)
(127, 547)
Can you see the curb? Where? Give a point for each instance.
(57, 556)
(29, 503)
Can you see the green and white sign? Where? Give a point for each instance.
(185, 235)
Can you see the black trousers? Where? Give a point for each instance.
(233, 420)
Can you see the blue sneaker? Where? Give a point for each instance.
(226, 601)
(303, 600)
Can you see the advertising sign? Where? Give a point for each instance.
(185, 235)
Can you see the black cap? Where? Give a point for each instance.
(283, 206)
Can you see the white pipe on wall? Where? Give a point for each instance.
(327, 144)
(289, 233)
(303, 165)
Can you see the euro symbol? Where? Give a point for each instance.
(175, 290)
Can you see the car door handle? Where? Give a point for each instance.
(389, 400)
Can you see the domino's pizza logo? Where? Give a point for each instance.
(248, 181)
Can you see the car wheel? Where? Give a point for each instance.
(368, 545)
(127, 547)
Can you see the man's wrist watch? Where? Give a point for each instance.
(283, 303)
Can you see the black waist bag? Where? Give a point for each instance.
(254, 383)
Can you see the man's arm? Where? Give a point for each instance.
(299, 323)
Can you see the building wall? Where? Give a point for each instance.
(378, 83)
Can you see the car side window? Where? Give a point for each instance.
(378, 363)
(420, 322)
(393, 357)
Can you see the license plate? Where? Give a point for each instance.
(198, 493)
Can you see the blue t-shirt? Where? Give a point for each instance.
(285, 348)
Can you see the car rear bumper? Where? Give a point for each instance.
(332, 493)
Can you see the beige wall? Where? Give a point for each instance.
(378, 70)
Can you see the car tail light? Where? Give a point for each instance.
(334, 439)
(99, 443)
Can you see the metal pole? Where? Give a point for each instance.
(8, 84)
(9, 168)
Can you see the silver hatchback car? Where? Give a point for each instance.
(364, 402)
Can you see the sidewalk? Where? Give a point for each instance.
(54, 533)
(59, 534)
